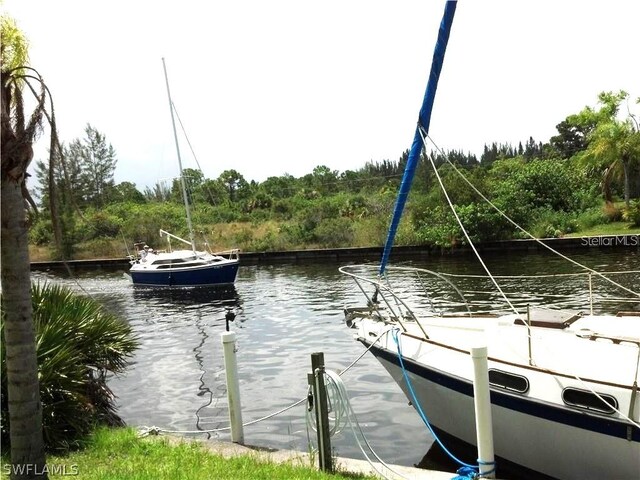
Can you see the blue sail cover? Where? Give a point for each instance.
(423, 122)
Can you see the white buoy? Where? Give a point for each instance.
(233, 387)
(482, 403)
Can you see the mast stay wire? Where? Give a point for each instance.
(504, 215)
(424, 135)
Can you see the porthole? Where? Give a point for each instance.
(508, 381)
(589, 401)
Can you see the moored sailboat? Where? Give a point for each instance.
(564, 383)
(184, 267)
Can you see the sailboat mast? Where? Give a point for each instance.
(182, 182)
(424, 119)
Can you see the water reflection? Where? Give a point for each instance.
(188, 297)
(283, 314)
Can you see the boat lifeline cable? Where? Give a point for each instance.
(424, 119)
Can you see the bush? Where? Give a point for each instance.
(612, 212)
(98, 224)
(553, 224)
(437, 227)
(592, 217)
(78, 344)
(41, 232)
(334, 232)
(541, 184)
(632, 213)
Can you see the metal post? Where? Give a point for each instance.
(482, 404)
(590, 293)
(233, 387)
(529, 334)
(322, 411)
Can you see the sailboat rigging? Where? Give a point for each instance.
(564, 383)
(182, 267)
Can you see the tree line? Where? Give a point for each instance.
(554, 187)
(595, 153)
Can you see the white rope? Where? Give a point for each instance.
(530, 235)
(144, 430)
(466, 235)
(344, 414)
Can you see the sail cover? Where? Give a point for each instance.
(424, 119)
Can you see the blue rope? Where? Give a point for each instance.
(466, 471)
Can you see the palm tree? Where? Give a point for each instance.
(18, 134)
(614, 145)
(79, 343)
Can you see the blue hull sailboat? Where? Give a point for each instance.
(563, 383)
(186, 267)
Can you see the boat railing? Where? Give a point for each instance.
(461, 296)
(233, 254)
(385, 301)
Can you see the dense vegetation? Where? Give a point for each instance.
(78, 343)
(568, 184)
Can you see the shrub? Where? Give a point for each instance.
(41, 232)
(592, 217)
(334, 232)
(553, 224)
(99, 224)
(612, 212)
(77, 343)
(632, 213)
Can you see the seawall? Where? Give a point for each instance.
(339, 255)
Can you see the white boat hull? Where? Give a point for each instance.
(546, 445)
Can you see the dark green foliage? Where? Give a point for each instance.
(125, 192)
(543, 184)
(483, 223)
(549, 188)
(260, 201)
(334, 232)
(572, 138)
(632, 213)
(97, 224)
(547, 223)
(41, 232)
(355, 207)
(437, 226)
(78, 343)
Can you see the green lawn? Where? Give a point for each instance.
(613, 228)
(118, 454)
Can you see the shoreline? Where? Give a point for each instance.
(602, 242)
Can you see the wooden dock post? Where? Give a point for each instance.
(316, 380)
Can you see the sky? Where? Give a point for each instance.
(279, 87)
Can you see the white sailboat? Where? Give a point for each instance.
(563, 384)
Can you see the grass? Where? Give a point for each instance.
(251, 237)
(115, 454)
(613, 228)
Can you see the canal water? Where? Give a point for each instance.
(284, 313)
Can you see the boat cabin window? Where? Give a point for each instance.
(508, 381)
(589, 401)
(175, 261)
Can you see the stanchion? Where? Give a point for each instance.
(482, 403)
(233, 387)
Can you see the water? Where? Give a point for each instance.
(285, 313)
